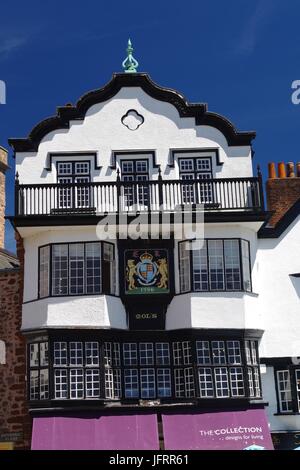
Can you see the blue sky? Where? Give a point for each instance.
(240, 57)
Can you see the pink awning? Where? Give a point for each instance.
(223, 430)
(114, 432)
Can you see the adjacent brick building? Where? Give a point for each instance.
(14, 419)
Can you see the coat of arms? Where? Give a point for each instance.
(146, 271)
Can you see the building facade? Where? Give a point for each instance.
(141, 333)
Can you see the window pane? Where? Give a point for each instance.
(93, 268)
(253, 352)
(256, 382)
(146, 354)
(130, 354)
(131, 383)
(205, 382)
(177, 353)
(200, 271)
(92, 383)
(76, 353)
(164, 383)
(44, 384)
(147, 377)
(76, 383)
(246, 265)
(82, 168)
(237, 382)
(203, 352)
(60, 353)
(162, 354)
(218, 352)
(60, 269)
(76, 268)
(44, 272)
(34, 385)
(34, 354)
(189, 382)
(112, 383)
(44, 354)
(248, 352)
(232, 264)
(184, 267)
(91, 353)
(61, 383)
(186, 164)
(179, 383)
(216, 265)
(284, 389)
(234, 352)
(221, 380)
(250, 382)
(203, 164)
(64, 168)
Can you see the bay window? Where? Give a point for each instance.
(86, 368)
(76, 269)
(216, 265)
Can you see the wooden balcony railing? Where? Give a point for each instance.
(223, 194)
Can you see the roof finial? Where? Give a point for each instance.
(130, 64)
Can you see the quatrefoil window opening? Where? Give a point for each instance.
(132, 120)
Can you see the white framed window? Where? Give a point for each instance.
(218, 352)
(92, 383)
(216, 264)
(93, 268)
(284, 391)
(248, 352)
(187, 352)
(146, 354)
(34, 354)
(76, 268)
(179, 383)
(113, 383)
(162, 354)
(256, 382)
(245, 248)
(131, 383)
(44, 270)
(34, 385)
(177, 353)
(203, 352)
(92, 353)
(232, 265)
(200, 268)
(234, 352)
(184, 267)
(60, 269)
(250, 382)
(222, 383)
(164, 383)
(61, 383)
(206, 386)
(76, 353)
(182, 353)
(237, 382)
(76, 384)
(147, 380)
(60, 353)
(130, 354)
(253, 352)
(44, 384)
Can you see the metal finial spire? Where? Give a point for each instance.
(130, 64)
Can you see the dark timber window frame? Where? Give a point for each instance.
(74, 196)
(190, 283)
(107, 270)
(183, 373)
(294, 384)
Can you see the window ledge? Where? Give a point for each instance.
(288, 413)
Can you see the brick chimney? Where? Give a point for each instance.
(3, 168)
(283, 189)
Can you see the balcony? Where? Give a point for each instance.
(239, 195)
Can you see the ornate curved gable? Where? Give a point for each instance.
(67, 113)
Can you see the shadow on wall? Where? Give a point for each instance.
(296, 283)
